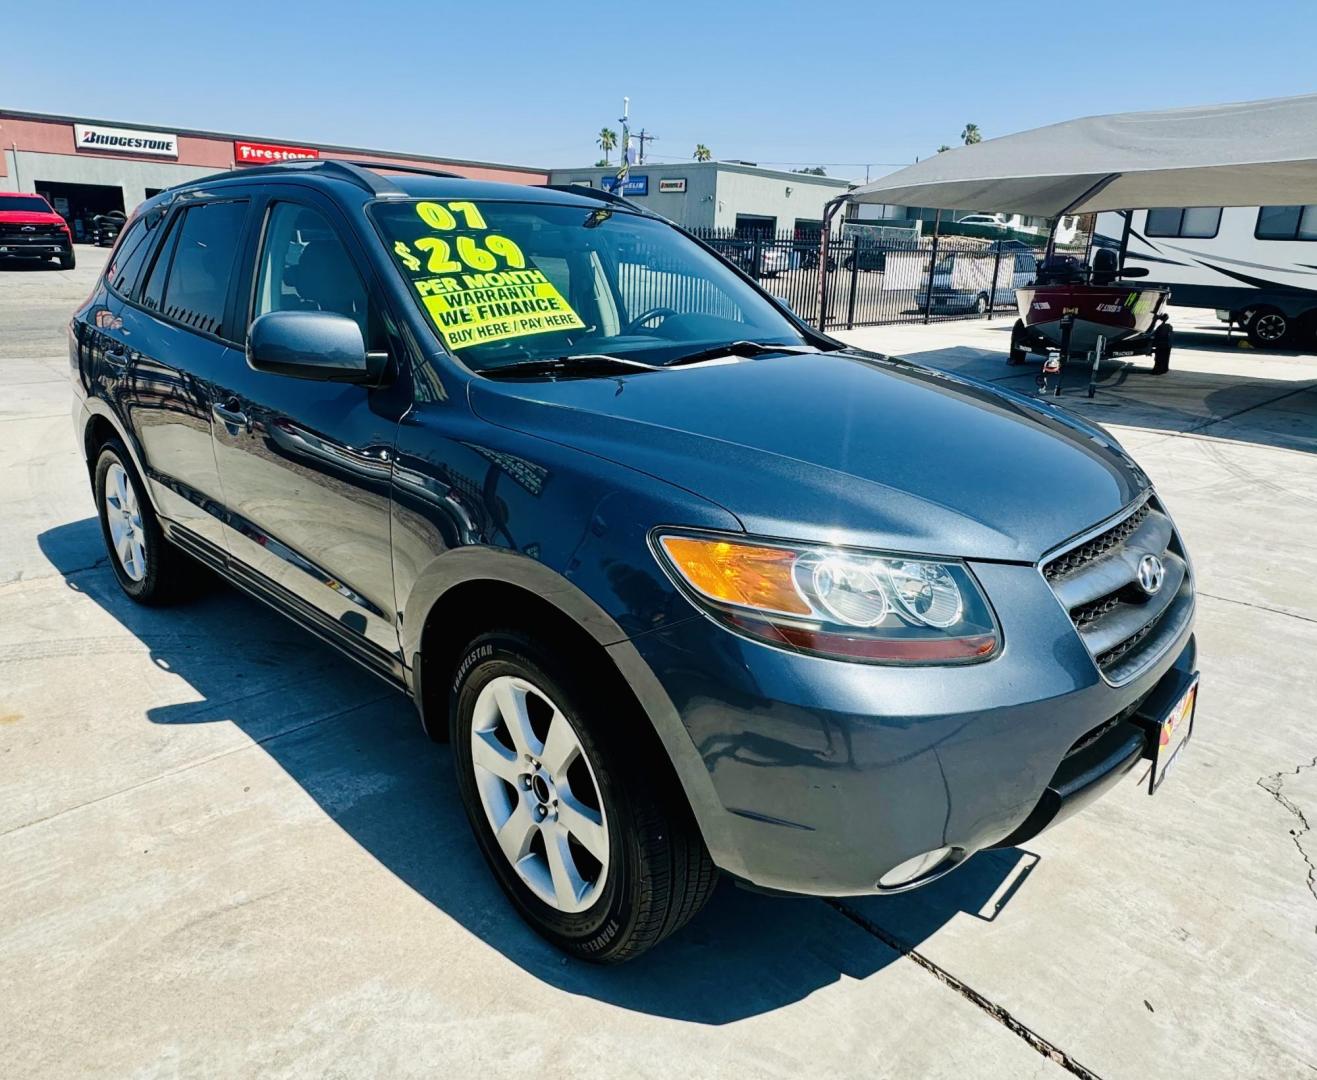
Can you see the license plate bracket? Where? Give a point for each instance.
(1167, 718)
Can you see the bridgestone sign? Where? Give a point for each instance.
(112, 140)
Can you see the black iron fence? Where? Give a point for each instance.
(871, 280)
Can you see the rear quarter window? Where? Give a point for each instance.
(125, 266)
(189, 283)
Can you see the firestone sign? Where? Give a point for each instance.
(113, 140)
(250, 153)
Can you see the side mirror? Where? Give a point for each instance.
(312, 345)
(1134, 271)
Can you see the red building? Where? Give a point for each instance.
(86, 167)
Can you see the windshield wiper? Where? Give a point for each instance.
(583, 364)
(738, 348)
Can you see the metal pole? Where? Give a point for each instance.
(996, 267)
(1067, 325)
(829, 212)
(1097, 362)
(932, 267)
(855, 280)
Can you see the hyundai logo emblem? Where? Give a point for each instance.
(1151, 574)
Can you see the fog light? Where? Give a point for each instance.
(913, 869)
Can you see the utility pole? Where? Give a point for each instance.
(624, 170)
(643, 137)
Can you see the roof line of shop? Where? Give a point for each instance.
(20, 114)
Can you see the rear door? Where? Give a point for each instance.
(170, 345)
(306, 466)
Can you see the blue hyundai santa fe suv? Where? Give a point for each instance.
(688, 586)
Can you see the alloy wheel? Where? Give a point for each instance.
(1271, 326)
(124, 518)
(539, 794)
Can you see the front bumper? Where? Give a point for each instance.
(42, 248)
(829, 774)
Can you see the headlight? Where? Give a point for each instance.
(835, 601)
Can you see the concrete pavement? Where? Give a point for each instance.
(227, 852)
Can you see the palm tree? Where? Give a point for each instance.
(943, 148)
(971, 134)
(702, 152)
(607, 141)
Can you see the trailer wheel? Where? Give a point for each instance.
(1268, 327)
(1018, 350)
(1161, 349)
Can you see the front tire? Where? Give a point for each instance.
(68, 262)
(148, 567)
(596, 852)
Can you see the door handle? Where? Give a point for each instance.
(231, 414)
(116, 354)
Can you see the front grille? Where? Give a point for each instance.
(1098, 546)
(14, 235)
(1124, 627)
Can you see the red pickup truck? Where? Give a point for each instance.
(30, 229)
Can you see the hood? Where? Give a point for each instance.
(30, 217)
(843, 447)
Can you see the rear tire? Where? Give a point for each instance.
(68, 262)
(1161, 349)
(149, 569)
(1018, 351)
(542, 825)
(1269, 327)
(981, 304)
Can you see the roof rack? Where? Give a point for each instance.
(365, 174)
(420, 170)
(592, 193)
(603, 196)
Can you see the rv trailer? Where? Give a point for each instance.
(1255, 265)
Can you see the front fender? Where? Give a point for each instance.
(500, 565)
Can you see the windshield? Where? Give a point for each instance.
(510, 282)
(32, 204)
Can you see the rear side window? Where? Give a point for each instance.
(1192, 222)
(190, 281)
(1286, 223)
(130, 254)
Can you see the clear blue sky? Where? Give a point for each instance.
(532, 83)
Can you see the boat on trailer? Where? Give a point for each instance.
(1073, 309)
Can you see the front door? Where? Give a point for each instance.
(306, 465)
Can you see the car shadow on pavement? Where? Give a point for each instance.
(358, 750)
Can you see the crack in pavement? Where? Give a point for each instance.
(170, 773)
(1044, 1046)
(1272, 786)
(1258, 607)
(23, 576)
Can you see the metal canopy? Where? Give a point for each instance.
(1254, 153)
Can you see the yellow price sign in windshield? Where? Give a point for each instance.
(477, 286)
(474, 309)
